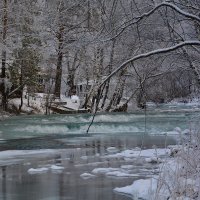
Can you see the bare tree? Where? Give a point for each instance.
(177, 39)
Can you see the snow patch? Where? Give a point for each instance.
(140, 189)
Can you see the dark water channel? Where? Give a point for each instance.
(41, 142)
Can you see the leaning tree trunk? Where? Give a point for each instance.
(94, 91)
(118, 93)
(3, 69)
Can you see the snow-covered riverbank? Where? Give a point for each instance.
(178, 177)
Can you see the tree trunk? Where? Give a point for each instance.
(109, 72)
(21, 89)
(59, 63)
(118, 93)
(71, 75)
(58, 75)
(194, 69)
(28, 99)
(98, 68)
(3, 88)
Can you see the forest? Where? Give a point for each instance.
(114, 55)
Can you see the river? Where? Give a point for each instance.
(60, 140)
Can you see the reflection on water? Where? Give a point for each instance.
(58, 187)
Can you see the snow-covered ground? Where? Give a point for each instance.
(172, 183)
(38, 102)
(178, 178)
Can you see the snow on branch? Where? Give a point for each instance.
(137, 19)
(186, 14)
(148, 54)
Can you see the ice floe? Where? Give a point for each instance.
(87, 176)
(142, 153)
(27, 153)
(55, 167)
(38, 170)
(104, 170)
(14, 156)
(127, 167)
(121, 174)
(112, 149)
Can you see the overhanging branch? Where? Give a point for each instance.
(148, 54)
(137, 19)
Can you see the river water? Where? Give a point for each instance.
(61, 140)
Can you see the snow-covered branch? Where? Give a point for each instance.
(137, 19)
(148, 54)
(182, 12)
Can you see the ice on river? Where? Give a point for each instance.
(134, 153)
(38, 170)
(149, 156)
(15, 156)
(104, 170)
(42, 170)
(56, 167)
(87, 176)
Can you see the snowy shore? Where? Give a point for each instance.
(178, 178)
